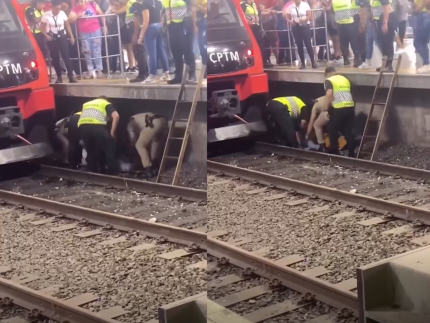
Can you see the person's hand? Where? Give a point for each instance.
(134, 40)
(113, 135)
(140, 40)
(385, 27)
(48, 38)
(72, 40)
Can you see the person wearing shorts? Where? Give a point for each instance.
(332, 31)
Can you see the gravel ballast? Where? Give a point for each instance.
(138, 281)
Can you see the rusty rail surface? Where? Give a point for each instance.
(48, 306)
(401, 211)
(289, 277)
(383, 168)
(119, 222)
(190, 194)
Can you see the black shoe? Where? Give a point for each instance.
(138, 79)
(321, 149)
(59, 80)
(315, 65)
(175, 80)
(357, 62)
(268, 65)
(150, 172)
(302, 66)
(346, 61)
(72, 80)
(192, 78)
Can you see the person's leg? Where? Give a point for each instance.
(176, 36)
(109, 152)
(64, 51)
(348, 119)
(75, 151)
(282, 45)
(297, 33)
(161, 52)
(140, 57)
(281, 116)
(307, 36)
(41, 42)
(96, 50)
(334, 126)
(319, 125)
(86, 133)
(157, 145)
(54, 50)
(151, 48)
(344, 42)
(256, 30)
(86, 49)
(402, 31)
(145, 137)
(187, 49)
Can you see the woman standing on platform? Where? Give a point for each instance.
(55, 27)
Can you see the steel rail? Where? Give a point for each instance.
(401, 211)
(48, 306)
(383, 168)
(289, 277)
(119, 222)
(190, 194)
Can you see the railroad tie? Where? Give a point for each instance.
(242, 187)
(289, 260)
(217, 233)
(141, 247)
(24, 279)
(5, 269)
(81, 299)
(203, 229)
(269, 312)
(422, 241)
(223, 182)
(88, 234)
(43, 221)
(400, 230)
(225, 280)
(374, 221)
(111, 312)
(343, 215)
(199, 265)
(239, 241)
(243, 295)
(15, 319)
(275, 197)
(50, 290)
(327, 318)
(111, 242)
(256, 191)
(175, 254)
(297, 202)
(316, 271)
(318, 209)
(347, 285)
(65, 227)
(262, 251)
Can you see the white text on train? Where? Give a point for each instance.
(229, 56)
(11, 68)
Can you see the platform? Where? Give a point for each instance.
(408, 78)
(120, 87)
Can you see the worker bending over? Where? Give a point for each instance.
(93, 130)
(319, 119)
(148, 133)
(289, 113)
(341, 110)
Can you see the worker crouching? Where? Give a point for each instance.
(319, 119)
(341, 110)
(99, 142)
(289, 115)
(148, 133)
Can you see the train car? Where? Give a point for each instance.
(27, 103)
(237, 85)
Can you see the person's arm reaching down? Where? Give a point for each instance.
(115, 119)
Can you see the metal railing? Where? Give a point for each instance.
(289, 32)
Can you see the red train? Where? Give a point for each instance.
(237, 84)
(27, 103)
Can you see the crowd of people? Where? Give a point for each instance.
(299, 28)
(84, 37)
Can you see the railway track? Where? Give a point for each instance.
(308, 221)
(78, 248)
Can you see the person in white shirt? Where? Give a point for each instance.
(55, 27)
(299, 16)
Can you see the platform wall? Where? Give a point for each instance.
(196, 152)
(409, 115)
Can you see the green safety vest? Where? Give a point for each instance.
(175, 10)
(418, 3)
(378, 9)
(94, 112)
(343, 11)
(342, 97)
(355, 10)
(129, 16)
(251, 14)
(36, 28)
(294, 105)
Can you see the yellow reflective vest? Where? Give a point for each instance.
(342, 97)
(293, 104)
(37, 14)
(343, 11)
(175, 10)
(94, 112)
(251, 13)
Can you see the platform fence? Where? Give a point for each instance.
(316, 13)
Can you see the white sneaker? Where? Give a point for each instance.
(149, 79)
(365, 65)
(165, 77)
(424, 69)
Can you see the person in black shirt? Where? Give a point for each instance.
(151, 35)
(33, 15)
(137, 41)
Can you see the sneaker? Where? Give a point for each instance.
(365, 65)
(315, 65)
(86, 75)
(149, 79)
(165, 77)
(175, 80)
(423, 69)
(99, 74)
(138, 79)
(302, 66)
(346, 61)
(192, 79)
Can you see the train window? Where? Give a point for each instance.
(9, 22)
(222, 14)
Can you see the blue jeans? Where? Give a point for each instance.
(371, 38)
(422, 35)
(154, 46)
(92, 49)
(202, 37)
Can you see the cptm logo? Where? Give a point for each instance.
(11, 69)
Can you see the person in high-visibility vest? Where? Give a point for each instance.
(180, 20)
(344, 16)
(252, 16)
(98, 141)
(147, 133)
(341, 110)
(422, 32)
(289, 113)
(202, 24)
(33, 15)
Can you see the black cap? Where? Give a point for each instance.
(330, 69)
